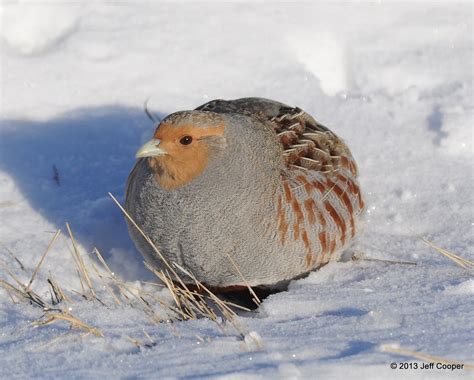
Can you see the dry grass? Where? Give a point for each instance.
(360, 256)
(255, 298)
(99, 284)
(75, 322)
(42, 258)
(466, 264)
(422, 356)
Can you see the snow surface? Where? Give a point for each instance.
(394, 80)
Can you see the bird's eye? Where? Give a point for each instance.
(186, 140)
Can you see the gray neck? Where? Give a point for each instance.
(247, 171)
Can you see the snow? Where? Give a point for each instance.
(394, 80)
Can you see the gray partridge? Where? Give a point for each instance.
(251, 183)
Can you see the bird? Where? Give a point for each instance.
(245, 192)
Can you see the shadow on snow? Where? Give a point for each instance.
(66, 166)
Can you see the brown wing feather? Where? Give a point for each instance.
(309, 145)
(306, 143)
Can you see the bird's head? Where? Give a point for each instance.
(183, 145)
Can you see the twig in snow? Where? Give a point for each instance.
(466, 264)
(255, 298)
(67, 317)
(22, 267)
(56, 235)
(359, 256)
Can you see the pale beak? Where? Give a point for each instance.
(150, 149)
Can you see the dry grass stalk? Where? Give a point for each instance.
(128, 292)
(422, 356)
(23, 293)
(131, 293)
(22, 267)
(136, 342)
(193, 304)
(58, 293)
(81, 267)
(83, 291)
(118, 283)
(10, 295)
(227, 313)
(67, 317)
(255, 298)
(466, 264)
(389, 261)
(148, 337)
(140, 344)
(182, 296)
(172, 289)
(240, 307)
(52, 313)
(9, 288)
(148, 240)
(106, 286)
(10, 273)
(360, 256)
(102, 261)
(35, 272)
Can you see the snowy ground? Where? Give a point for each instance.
(394, 80)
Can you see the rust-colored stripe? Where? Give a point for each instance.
(344, 162)
(307, 185)
(361, 201)
(348, 163)
(323, 240)
(321, 219)
(309, 260)
(296, 231)
(297, 210)
(337, 219)
(332, 246)
(354, 188)
(347, 202)
(309, 205)
(309, 256)
(299, 217)
(282, 225)
(318, 185)
(306, 241)
(287, 190)
(353, 167)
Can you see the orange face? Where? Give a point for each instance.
(186, 140)
(186, 152)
